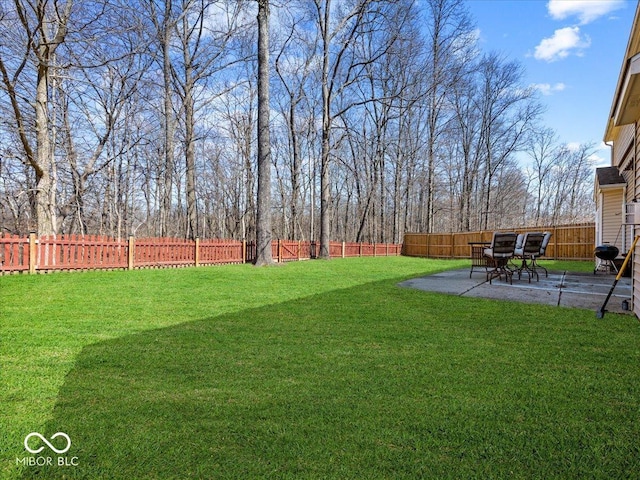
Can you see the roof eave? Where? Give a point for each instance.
(624, 96)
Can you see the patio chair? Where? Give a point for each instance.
(498, 254)
(543, 248)
(528, 252)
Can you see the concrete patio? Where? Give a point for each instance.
(564, 289)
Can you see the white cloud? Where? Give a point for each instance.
(547, 89)
(573, 146)
(563, 42)
(597, 159)
(586, 10)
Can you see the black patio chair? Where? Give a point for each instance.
(498, 255)
(528, 252)
(543, 248)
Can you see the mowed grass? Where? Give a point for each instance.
(311, 370)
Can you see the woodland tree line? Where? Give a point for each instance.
(139, 117)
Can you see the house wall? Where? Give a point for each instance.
(629, 178)
(623, 156)
(635, 281)
(611, 213)
(627, 147)
(625, 151)
(633, 185)
(622, 146)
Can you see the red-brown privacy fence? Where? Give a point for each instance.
(568, 242)
(92, 252)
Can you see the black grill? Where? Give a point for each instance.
(606, 252)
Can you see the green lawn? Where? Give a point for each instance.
(310, 370)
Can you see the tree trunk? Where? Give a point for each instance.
(45, 187)
(190, 155)
(169, 126)
(44, 162)
(295, 173)
(325, 192)
(263, 215)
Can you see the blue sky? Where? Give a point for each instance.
(571, 49)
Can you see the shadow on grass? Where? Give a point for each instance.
(367, 382)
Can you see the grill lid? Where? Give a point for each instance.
(606, 252)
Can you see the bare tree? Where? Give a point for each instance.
(94, 96)
(568, 189)
(204, 31)
(541, 148)
(294, 65)
(336, 37)
(448, 37)
(164, 17)
(466, 132)
(43, 28)
(237, 118)
(263, 217)
(508, 110)
(341, 29)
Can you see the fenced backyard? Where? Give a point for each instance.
(568, 242)
(317, 370)
(93, 252)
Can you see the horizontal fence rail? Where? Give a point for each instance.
(568, 242)
(94, 252)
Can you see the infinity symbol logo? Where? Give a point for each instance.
(55, 435)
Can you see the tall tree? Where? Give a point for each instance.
(166, 32)
(204, 31)
(263, 216)
(43, 28)
(294, 65)
(448, 37)
(541, 149)
(165, 24)
(508, 110)
(341, 28)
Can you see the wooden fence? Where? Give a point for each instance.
(568, 242)
(93, 252)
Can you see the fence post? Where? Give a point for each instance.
(343, 248)
(453, 245)
(279, 251)
(33, 252)
(131, 253)
(197, 253)
(360, 249)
